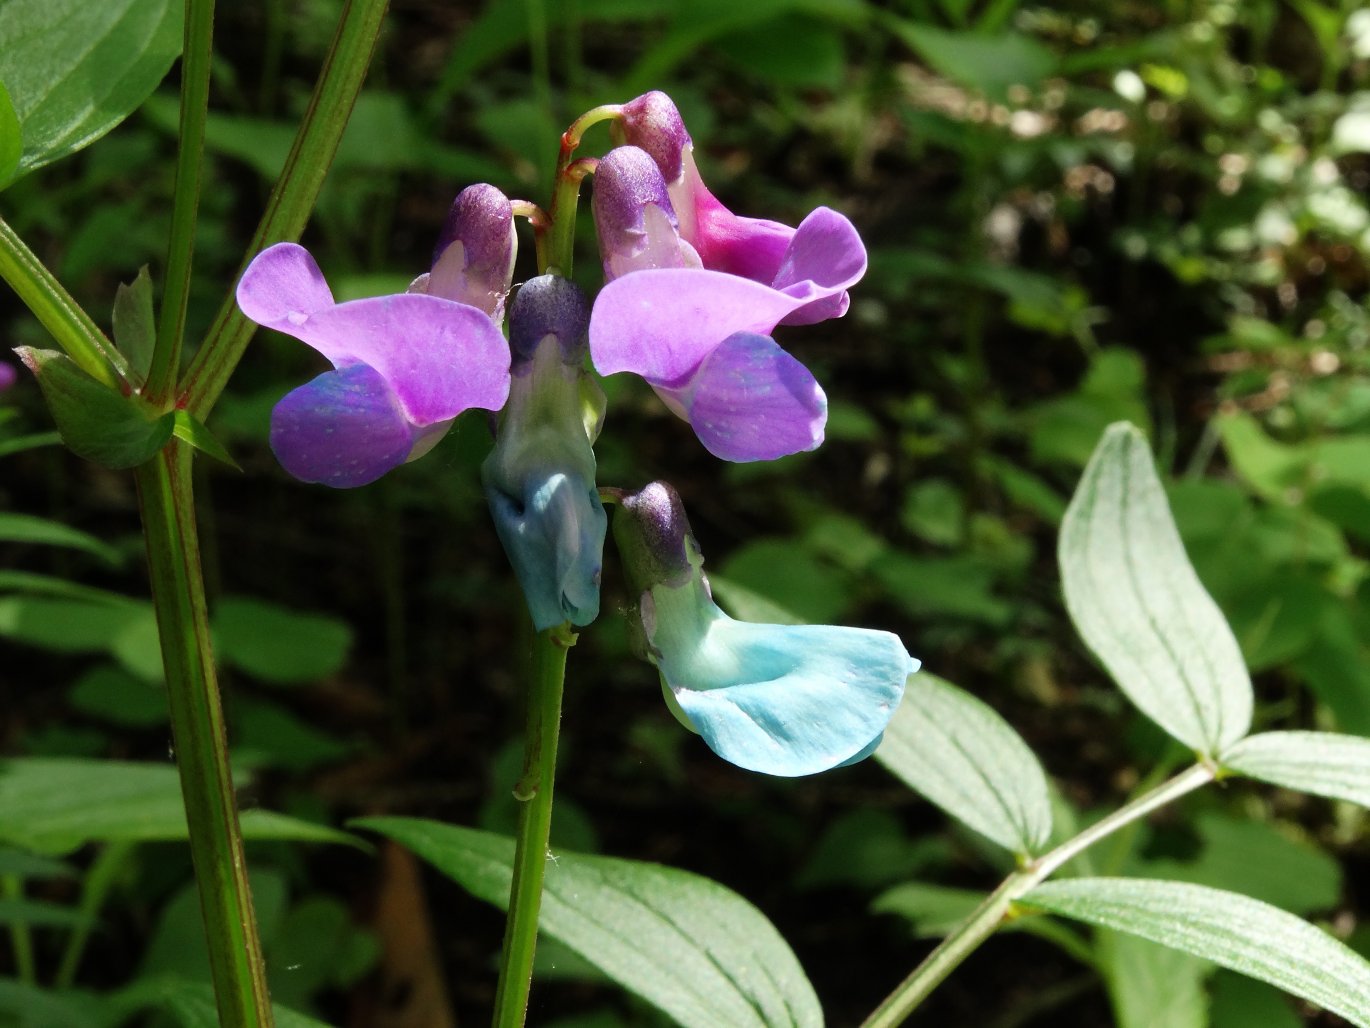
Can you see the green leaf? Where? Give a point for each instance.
(1137, 603)
(953, 749)
(1232, 930)
(192, 1005)
(695, 950)
(189, 429)
(96, 422)
(277, 644)
(41, 914)
(135, 325)
(1323, 763)
(33, 441)
(1152, 986)
(23, 1005)
(75, 70)
(25, 528)
(10, 145)
(29, 865)
(112, 695)
(990, 64)
(56, 805)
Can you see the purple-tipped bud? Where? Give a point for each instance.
(549, 305)
(474, 259)
(653, 123)
(634, 217)
(8, 375)
(654, 537)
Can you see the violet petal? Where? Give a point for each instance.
(282, 287)
(343, 429)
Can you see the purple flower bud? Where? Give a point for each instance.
(8, 374)
(474, 259)
(549, 305)
(653, 123)
(634, 218)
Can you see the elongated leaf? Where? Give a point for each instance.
(1323, 763)
(991, 64)
(192, 1004)
(41, 914)
(189, 429)
(54, 806)
(1227, 928)
(695, 950)
(1137, 603)
(135, 325)
(74, 70)
(953, 749)
(25, 528)
(1151, 986)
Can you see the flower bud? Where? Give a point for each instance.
(634, 218)
(473, 262)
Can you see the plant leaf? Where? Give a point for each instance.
(25, 528)
(991, 64)
(96, 422)
(190, 429)
(55, 805)
(1137, 603)
(1227, 928)
(75, 70)
(1323, 763)
(277, 644)
(955, 750)
(695, 950)
(135, 325)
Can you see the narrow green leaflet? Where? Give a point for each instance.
(1323, 763)
(1137, 603)
(991, 64)
(277, 644)
(191, 1003)
(950, 747)
(74, 70)
(56, 805)
(96, 422)
(135, 325)
(1151, 986)
(25, 528)
(190, 429)
(1227, 928)
(690, 947)
(41, 914)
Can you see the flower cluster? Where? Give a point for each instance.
(693, 295)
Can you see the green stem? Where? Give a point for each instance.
(990, 914)
(201, 746)
(21, 939)
(98, 881)
(534, 792)
(292, 198)
(54, 308)
(197, 55)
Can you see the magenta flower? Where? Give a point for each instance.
(404, 366)
(700, 335)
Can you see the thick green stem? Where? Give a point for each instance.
(196, 58)
(534, 792)
(54, 308)
(292, 199)
(990, 914)
(197, 727)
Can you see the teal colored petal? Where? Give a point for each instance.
(784, 700)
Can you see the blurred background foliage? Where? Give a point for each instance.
(1076, 213)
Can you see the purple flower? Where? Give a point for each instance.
(404, 366)
(701, 337)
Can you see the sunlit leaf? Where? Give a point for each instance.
(74, 70)
(953, 749)
(1136, 601)
(1227, 928)
(1323, 763)
(695, 950)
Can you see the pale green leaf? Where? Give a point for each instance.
(10, 145)
(1137, 603)
(695, 950)
(1323, 763)
(1152, 986)
(953, 749)
(135, 325)
(74, 70)
(277, 644)
(1229, 929)
(189, 429)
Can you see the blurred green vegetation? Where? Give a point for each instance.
(1076, 213)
